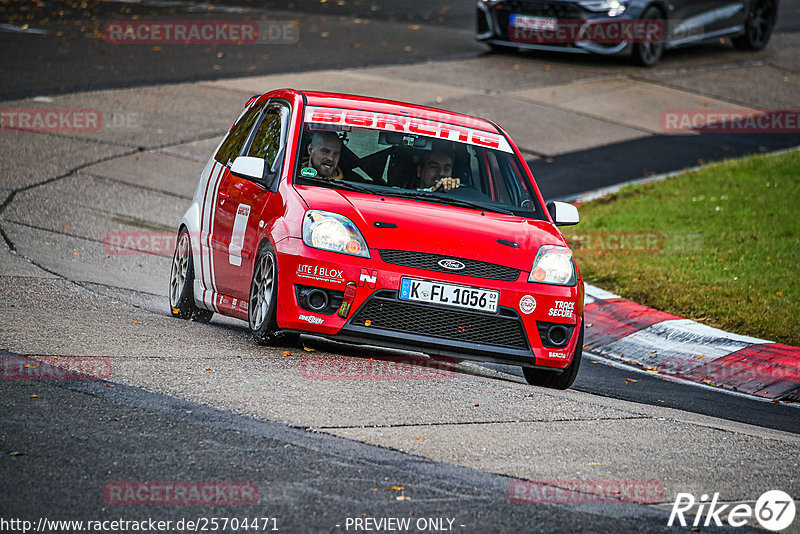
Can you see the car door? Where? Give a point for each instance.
(243, 205)
(692, 20)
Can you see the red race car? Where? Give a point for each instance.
(371, 221)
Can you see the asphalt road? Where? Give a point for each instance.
(195, 402)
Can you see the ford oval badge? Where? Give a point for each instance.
(453, 265)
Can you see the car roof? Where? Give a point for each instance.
(379, 105)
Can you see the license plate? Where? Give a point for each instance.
(529, 22)
(457, 296)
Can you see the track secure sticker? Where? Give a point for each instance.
(309, 171)
(562, 308)
(527, 304)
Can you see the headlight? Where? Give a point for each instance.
(334, 232)
(553, 265)
(612, 7)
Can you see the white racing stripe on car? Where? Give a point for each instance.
(209, 206)
(217, 183)
(203, 234)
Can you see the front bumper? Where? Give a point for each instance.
(493, 27)
(377, 314)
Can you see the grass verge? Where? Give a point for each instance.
(720, 245)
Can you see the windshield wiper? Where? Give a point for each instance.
(451, 201)
(340, 184)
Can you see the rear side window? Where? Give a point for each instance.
(232, 146)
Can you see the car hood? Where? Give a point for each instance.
(437, 228)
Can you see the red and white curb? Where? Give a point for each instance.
(667, 344)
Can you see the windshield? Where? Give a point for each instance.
(423, 160)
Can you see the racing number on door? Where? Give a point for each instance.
(237, 235)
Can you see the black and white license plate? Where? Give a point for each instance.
(529, 22)
(454, 295)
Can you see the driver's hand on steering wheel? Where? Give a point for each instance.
(447, 183)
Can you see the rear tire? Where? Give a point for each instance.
(261, 311)
(758, 26)
(181, 283)
(555, 379)
(648, 54)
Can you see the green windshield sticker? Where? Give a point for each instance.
(309, 171)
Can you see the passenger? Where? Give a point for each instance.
(324, 152)
(435, 167)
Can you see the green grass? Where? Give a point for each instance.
(727, 241)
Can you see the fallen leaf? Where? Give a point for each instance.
(659, 400)
(34, 396)
(17, 453)
(403, 498)
(630, 380)
(110, 385)
(308, 349)
(286, 353)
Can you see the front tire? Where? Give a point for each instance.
(181, 283)
(758, 26)
(261, 311)
(648, 54)
(555, 379)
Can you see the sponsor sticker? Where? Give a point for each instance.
(411, 125)
(311, 319)
(562, 308)
(309, 172)
(527, 304)
(370, 279)
(318, 272)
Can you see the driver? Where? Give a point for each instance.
(324, 152)
(434, 171)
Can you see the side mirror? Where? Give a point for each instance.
(563, 214)
(249, 168)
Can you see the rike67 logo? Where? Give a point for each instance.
(774, 510)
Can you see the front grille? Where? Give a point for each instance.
(558, 10)
(429, 262)
(388, 313)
